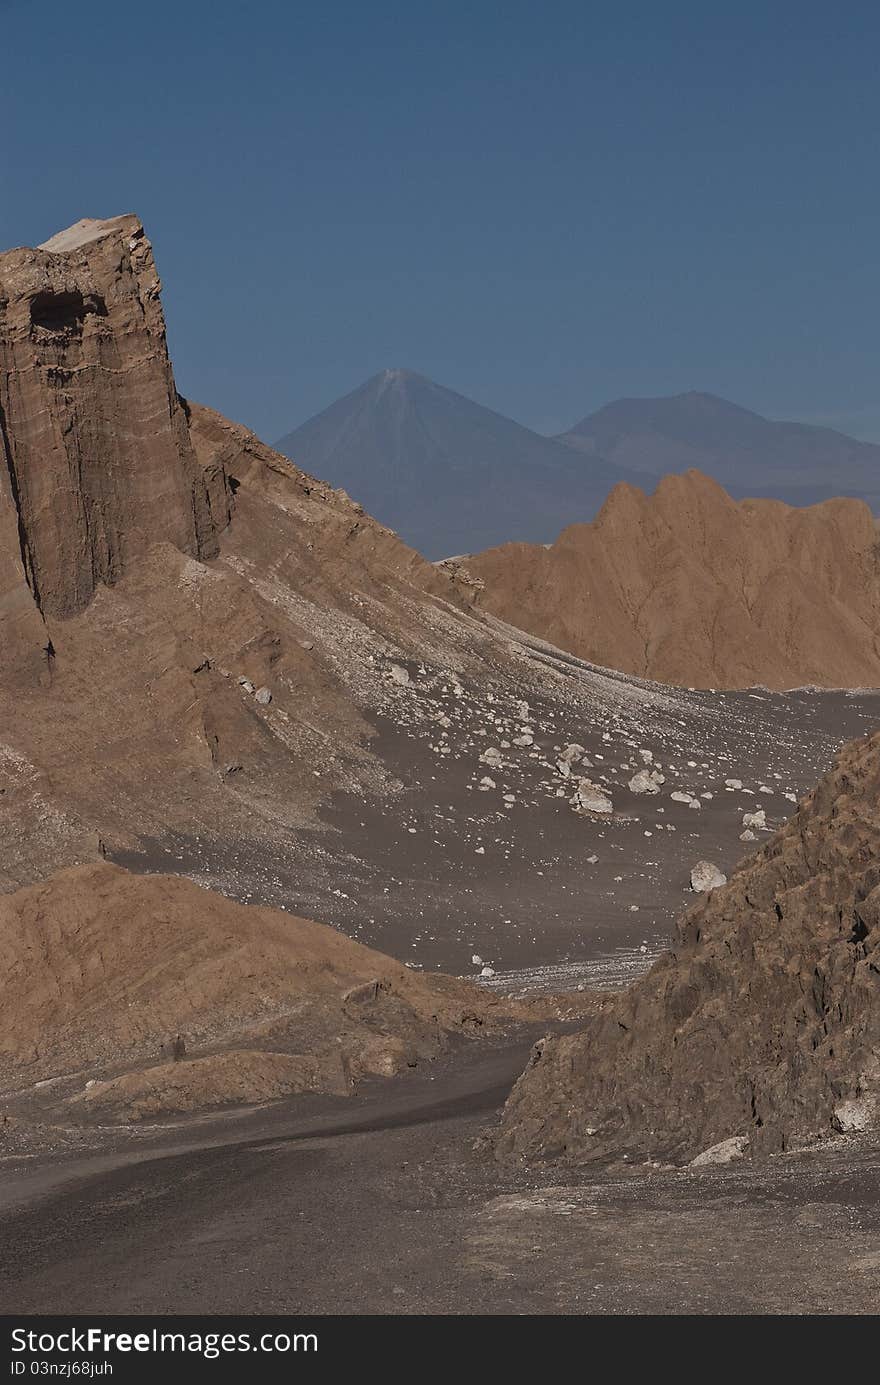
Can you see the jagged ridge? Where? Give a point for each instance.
(688, 586)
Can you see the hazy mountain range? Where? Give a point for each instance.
(447, 474)
(451, 476)
(747, 453)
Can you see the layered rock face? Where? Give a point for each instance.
(762, 1024)
(96, 462)
(690, 587)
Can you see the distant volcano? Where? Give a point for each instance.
(447, 474)
(748, 454)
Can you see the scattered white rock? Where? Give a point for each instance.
(756, 819)
(747, 836)
(590, 798)
(572, 752)
(855, 1115)
(488, 971)
(477, 960)
(398, 674)
(723, 1153)
(263, 696)
(646, 781)
(706, 876)
(733, 784)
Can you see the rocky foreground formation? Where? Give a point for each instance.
(690, 587)
(130, 995)
(759, 1028)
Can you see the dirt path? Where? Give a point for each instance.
(381, 1204)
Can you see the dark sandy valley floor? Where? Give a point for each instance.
(447, 867)
(387, 1203)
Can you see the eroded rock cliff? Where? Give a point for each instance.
(96, 462)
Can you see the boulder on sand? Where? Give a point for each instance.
(591, 798)
(706, 876)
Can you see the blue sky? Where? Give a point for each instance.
(542, 205)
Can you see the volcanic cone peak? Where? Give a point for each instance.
(96, 462)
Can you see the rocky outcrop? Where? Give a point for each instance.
(762, 1023)
(690, 587)
(96, 461)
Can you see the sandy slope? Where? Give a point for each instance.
(103, 971)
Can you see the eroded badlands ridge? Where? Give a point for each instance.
(688, 586)
(760, 1026)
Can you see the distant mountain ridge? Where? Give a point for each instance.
(749, 454)
(447, 474)
(453, 477)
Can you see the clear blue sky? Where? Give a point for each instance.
(542, 205)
